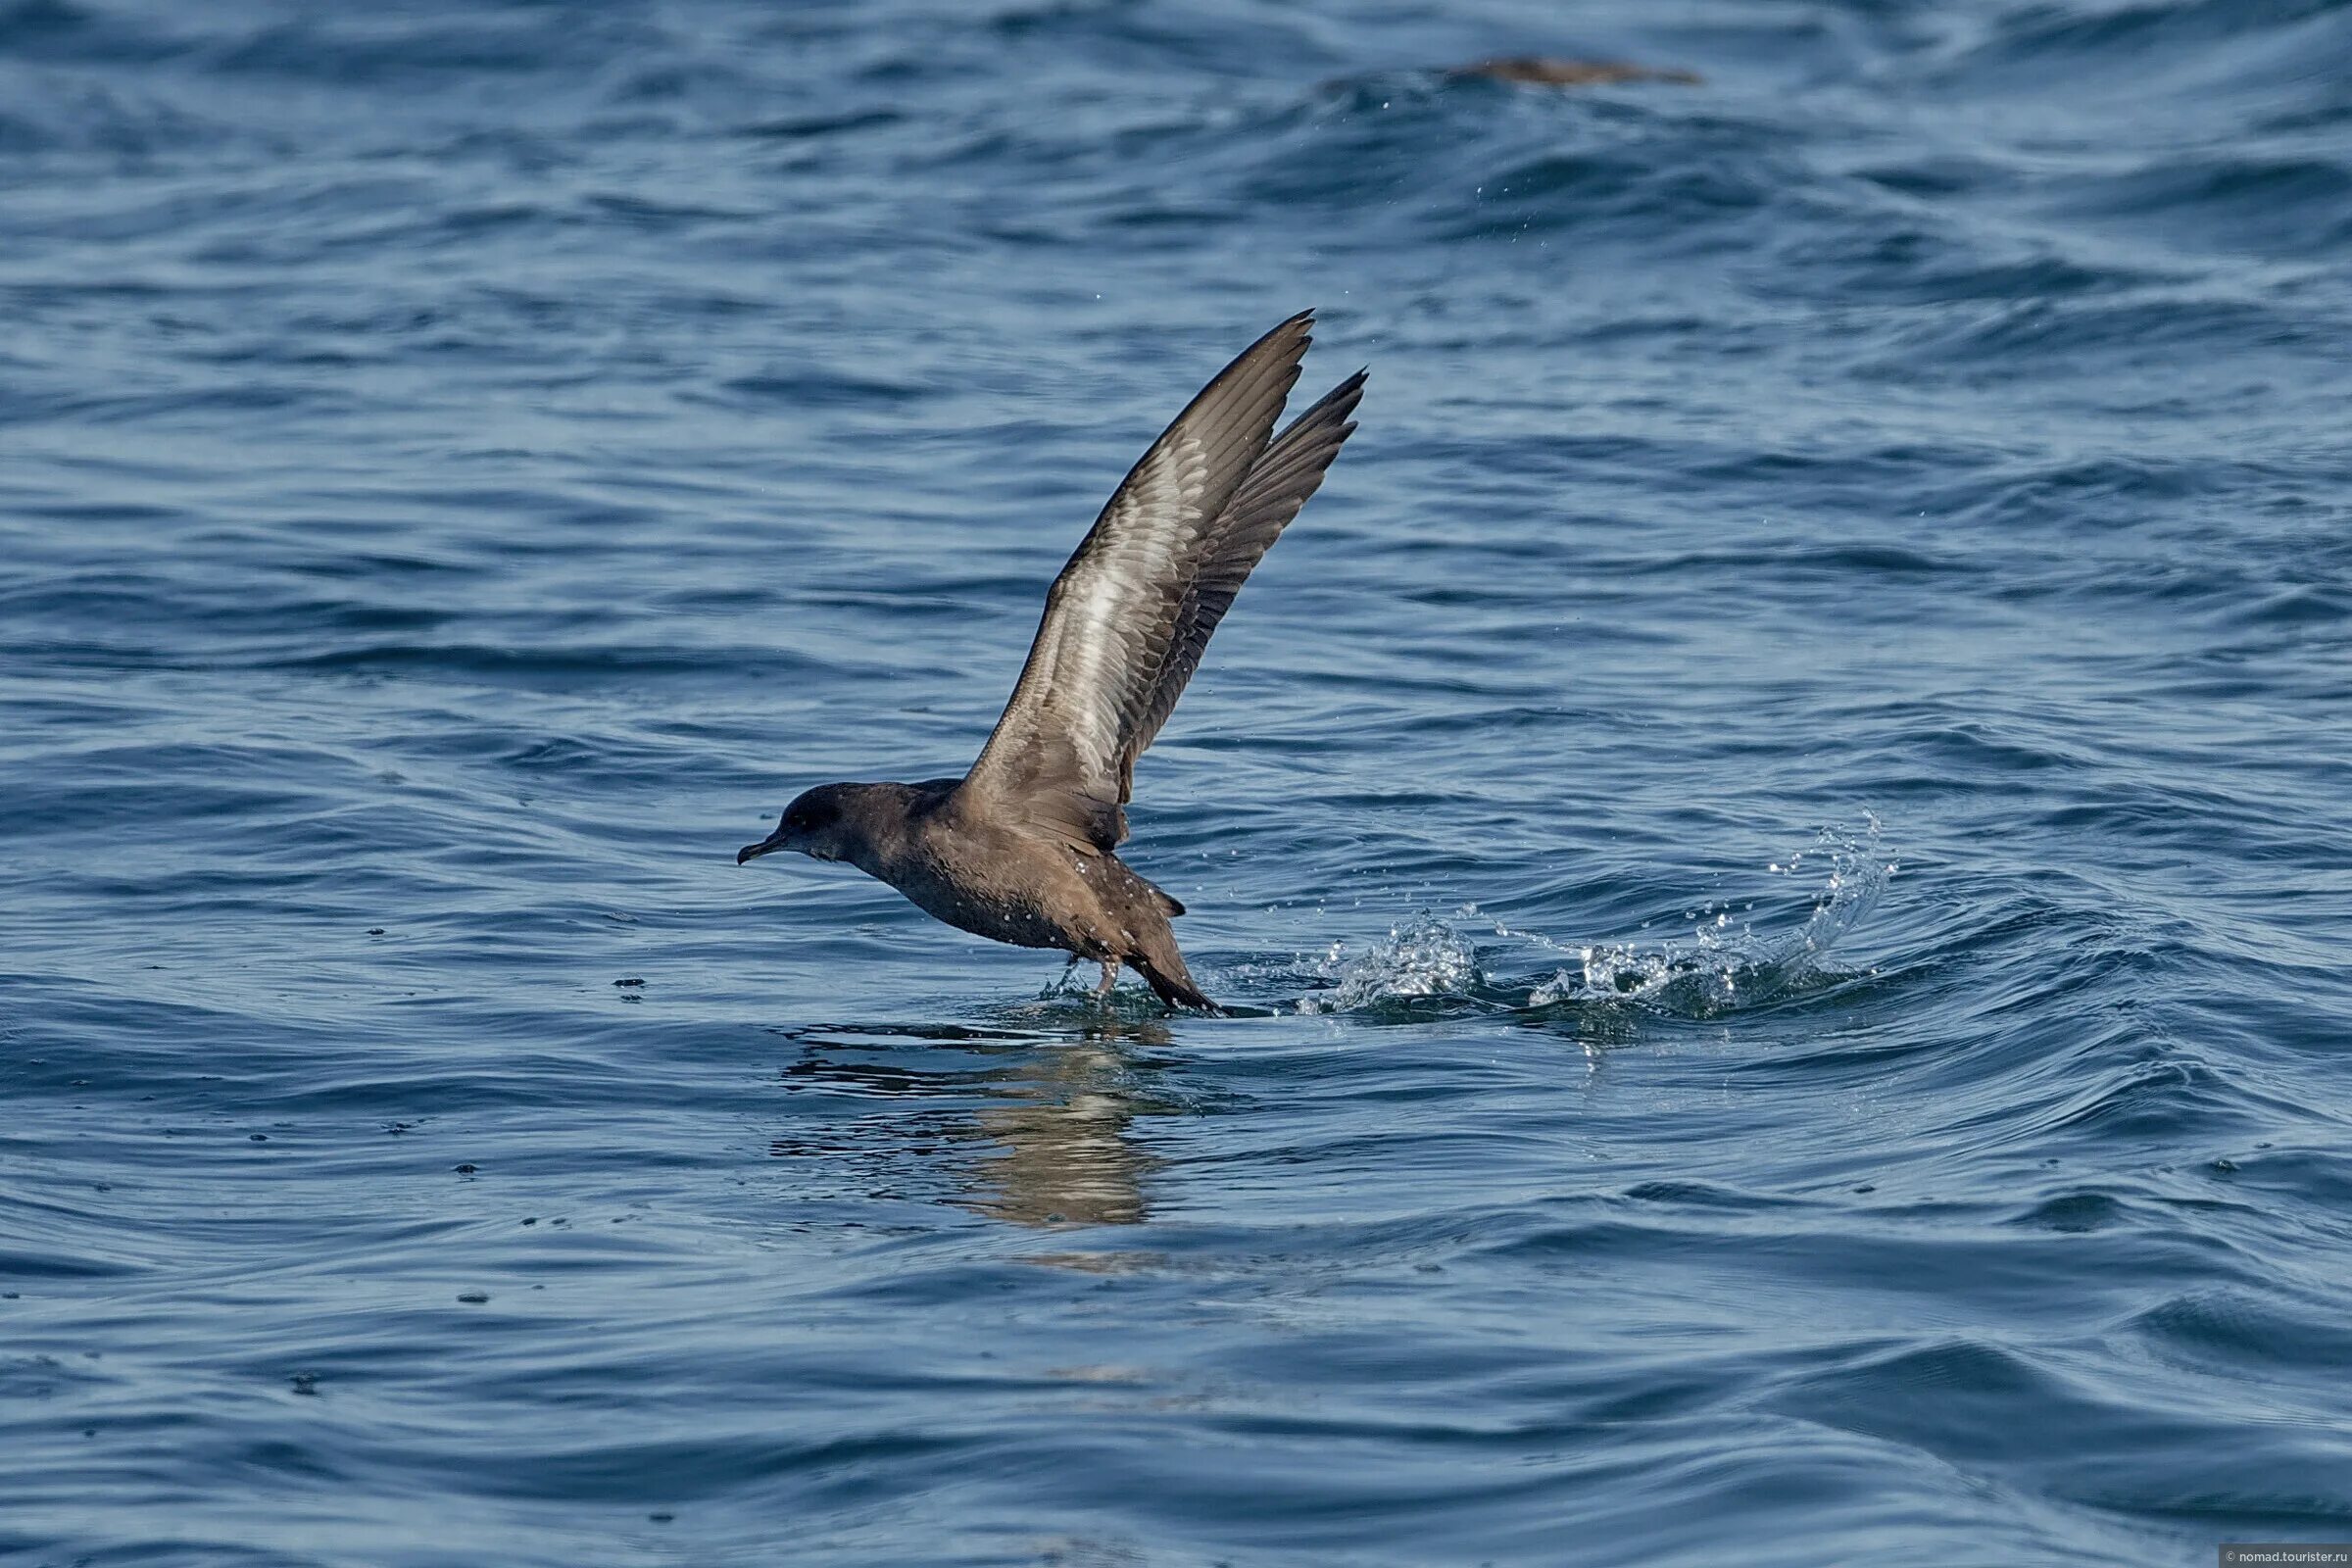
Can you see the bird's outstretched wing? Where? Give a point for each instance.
(1126, 621)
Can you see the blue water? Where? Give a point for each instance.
(1780, 824)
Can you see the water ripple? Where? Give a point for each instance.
(468, 467)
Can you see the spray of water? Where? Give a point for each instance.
(1725, 963)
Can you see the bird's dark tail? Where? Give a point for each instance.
(1175, 989)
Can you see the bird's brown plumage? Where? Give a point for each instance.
(1127, 619)
(1021, 847)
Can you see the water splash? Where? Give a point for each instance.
(1424, 957)
(1725, 963)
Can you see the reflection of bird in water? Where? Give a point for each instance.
(1538, 71)
(1064, 1157)
(1041, 1130)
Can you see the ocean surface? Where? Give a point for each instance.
(1780, 835)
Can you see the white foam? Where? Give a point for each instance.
(1725, 962)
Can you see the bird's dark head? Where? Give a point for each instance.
(816, 824)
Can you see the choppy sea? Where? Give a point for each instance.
(1781, 830)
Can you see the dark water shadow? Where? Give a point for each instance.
(1030, 1126)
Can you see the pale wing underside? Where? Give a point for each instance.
(1126, 621)
(1278, 484)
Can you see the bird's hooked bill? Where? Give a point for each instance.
(751, 852)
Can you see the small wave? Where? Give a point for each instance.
(1725, 964)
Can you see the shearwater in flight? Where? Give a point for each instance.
(1021, 847)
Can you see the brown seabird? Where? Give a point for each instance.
(1540, 70)
(1021, 847)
